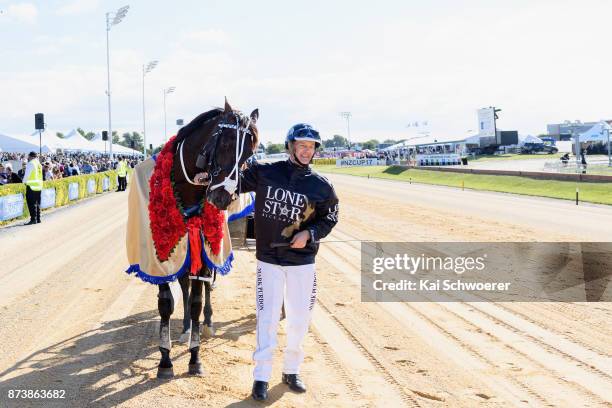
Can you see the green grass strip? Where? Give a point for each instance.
(509, 156)
(600, 193)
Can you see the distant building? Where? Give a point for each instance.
(563, 131)
(381, 146)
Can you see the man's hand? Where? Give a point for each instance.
(300, 239)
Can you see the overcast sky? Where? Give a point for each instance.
(390, 63)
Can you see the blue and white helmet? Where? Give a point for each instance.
(302, 131)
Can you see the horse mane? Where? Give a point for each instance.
(202, 118)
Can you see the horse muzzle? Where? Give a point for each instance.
(221, 198)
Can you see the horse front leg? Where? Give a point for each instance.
(208, 330)
(165, 305)
(195, 300)
(184, 282)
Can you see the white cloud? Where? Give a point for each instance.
(211, 36)
(48, 46)
(440, 69)
(78, 7)
(67, 90)
(22, 12)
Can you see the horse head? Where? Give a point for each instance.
(234, 141)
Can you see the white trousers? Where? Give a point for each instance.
(298, 286)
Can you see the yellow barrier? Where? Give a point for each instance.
(61, 189)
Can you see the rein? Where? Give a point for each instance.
(286, 244)
(183, 165)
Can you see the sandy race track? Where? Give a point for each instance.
(72, 320)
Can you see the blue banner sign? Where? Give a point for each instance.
(11, 206)
(47, 198)
(91, 186)
(73, 191)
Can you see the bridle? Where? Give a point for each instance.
(207, 159)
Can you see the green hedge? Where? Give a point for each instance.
(61, 189)
(323, 162)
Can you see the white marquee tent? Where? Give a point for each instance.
(49, 138)
(75, 141)
(16, 144)
(596, 134)
(99, 145)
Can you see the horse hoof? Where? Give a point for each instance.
(208, 331)
(185, 337)
(165, 373)
(196, 369)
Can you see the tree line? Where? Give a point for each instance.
(127, 138)
(337, 141)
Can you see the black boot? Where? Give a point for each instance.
(295, 382)
(260, 390)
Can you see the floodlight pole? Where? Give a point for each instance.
(117, 17)
(144, 123)
(149, 67)
(347, 116)
(165, 122)
(108, 94)
(166, 91)
(609, 152)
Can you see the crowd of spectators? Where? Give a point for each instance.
(58, 165)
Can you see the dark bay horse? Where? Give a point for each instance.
(215, 143)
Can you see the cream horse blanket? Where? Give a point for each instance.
(139, 241)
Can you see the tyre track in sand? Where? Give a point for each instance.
(354, 355)
(594, 387)
(599, 363)
(447, 342)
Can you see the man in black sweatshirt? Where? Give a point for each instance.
(296, 207)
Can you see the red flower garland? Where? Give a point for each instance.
(213, 220)
(167, 223)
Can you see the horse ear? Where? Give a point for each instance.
(228, 108)
(255, 115)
